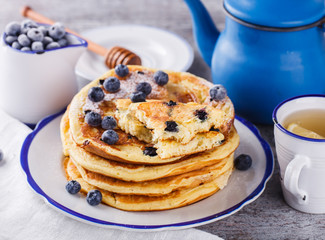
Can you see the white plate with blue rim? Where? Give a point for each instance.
(41, 160)
(156, 47)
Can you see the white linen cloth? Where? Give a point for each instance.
(25, 215)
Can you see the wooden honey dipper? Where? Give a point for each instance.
(113, 56)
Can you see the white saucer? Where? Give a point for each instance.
(157, 48)
(41, 160)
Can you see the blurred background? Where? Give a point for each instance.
(266, 218)
(81, 15)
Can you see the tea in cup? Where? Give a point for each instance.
(300, 146)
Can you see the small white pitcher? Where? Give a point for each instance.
(301, 159)
(33, 85)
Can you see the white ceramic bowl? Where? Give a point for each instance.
(33, 85)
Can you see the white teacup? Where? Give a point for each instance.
(301, 159)
(33, 85)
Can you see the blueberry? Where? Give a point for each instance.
(43, 29)
(93, 119)
(161, 78)
(112, 84)
(218, 92)
(63, 42)
(214, 129)
(16, 45)
(73, 187)
(25, 49)
(171, 126)
(72, 40)
(110, 137)
(52, 45)
(150, 151)
(96, 94)
(94, 197)
(35, 34)
(37, 46)
(1, 155)
(144, 87)
(243, 162)
(24, 40)
(24, 30)
(57, 31)
(27, 24)
(201, 114)
(47, 40)
(138, 97)
(171, 103)
(121, 70)
(10, 39)
(109, 122)
(12, 29)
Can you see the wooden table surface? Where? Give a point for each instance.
(269, 217)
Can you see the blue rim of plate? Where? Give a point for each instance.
(214, 217)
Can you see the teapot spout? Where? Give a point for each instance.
(204, 31)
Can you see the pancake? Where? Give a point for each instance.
(149, 120)
(190, 119)
(181, 87)
(201, 142)
(129, 152)
(172, 200)
(160, 186)
(144, 172)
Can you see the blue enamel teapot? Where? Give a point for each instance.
(269, 51)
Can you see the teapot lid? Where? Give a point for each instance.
(277, 13)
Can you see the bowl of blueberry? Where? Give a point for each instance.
(37, 69)
(29, 36)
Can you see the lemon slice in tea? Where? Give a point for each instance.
(297, 129)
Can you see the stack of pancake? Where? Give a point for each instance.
(152, 166)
